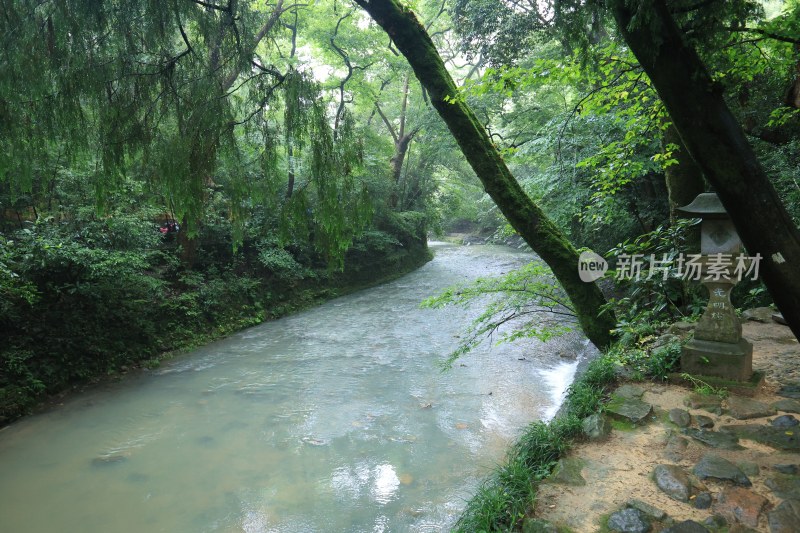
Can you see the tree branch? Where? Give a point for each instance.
(386, 121)
(209, 5)
(268, 25)
(765, 33)
(693, 7)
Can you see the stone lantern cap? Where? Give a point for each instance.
(706, 205)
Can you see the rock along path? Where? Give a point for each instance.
(679, 462)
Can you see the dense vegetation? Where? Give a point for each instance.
(172, 171)
(170, 175)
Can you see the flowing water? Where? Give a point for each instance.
(337, 419)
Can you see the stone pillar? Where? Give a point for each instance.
(718, 348)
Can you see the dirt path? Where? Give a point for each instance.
(621, 468)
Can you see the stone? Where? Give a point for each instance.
(629, 521)
(663, 340)
(704, 421)
(680, 417)
(715, 467)
(787, 406)
(712, 404)
(673, 481)
(632, 410)
(758, 314)
(703, 500)
(785, 421)
(675, 447)
(596, 427)
(715, 521)
(749, 468)
(784, 487)
(537, 525)
(742, 408)
(740, 505)
(687, 526)
(785, 518)
(712, 357)
(778, 318)
(792, 390)
(568, 472)
(628, 391)
(681, 328)
(650, 511)
(787, 469)
(714, 439)
(778, 438)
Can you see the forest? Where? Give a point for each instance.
(175, 171)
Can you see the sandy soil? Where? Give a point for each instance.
(620, 468)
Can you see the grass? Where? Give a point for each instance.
(705, 388)
(504, 498)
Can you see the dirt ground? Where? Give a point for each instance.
(621, 468)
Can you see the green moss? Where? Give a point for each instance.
(623, 425)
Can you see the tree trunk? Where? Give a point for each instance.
(402, 140)
(684, 180)
(718, 144)
(290, 182)
(525, 217)
(396, 164)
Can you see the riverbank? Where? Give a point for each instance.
(346, 282)
(91, 310)
(723, 461)
(655, 456)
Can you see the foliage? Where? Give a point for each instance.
(646, 361)
(658, 292)
(585, 141)
(528, 301)
(280, 263)
(178, 98)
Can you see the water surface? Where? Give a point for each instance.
(337, 419)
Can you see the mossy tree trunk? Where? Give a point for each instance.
(716, 141)
(525, 217)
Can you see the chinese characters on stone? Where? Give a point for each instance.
(712, 267)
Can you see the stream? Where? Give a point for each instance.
(336, 419)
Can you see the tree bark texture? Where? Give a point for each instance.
(718, 144)
(684, 180)
(525, 217)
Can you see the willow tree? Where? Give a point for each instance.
(413, 41)
(183, 93)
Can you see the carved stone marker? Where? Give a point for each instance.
(718, 348)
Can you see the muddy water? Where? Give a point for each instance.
(333, 420)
